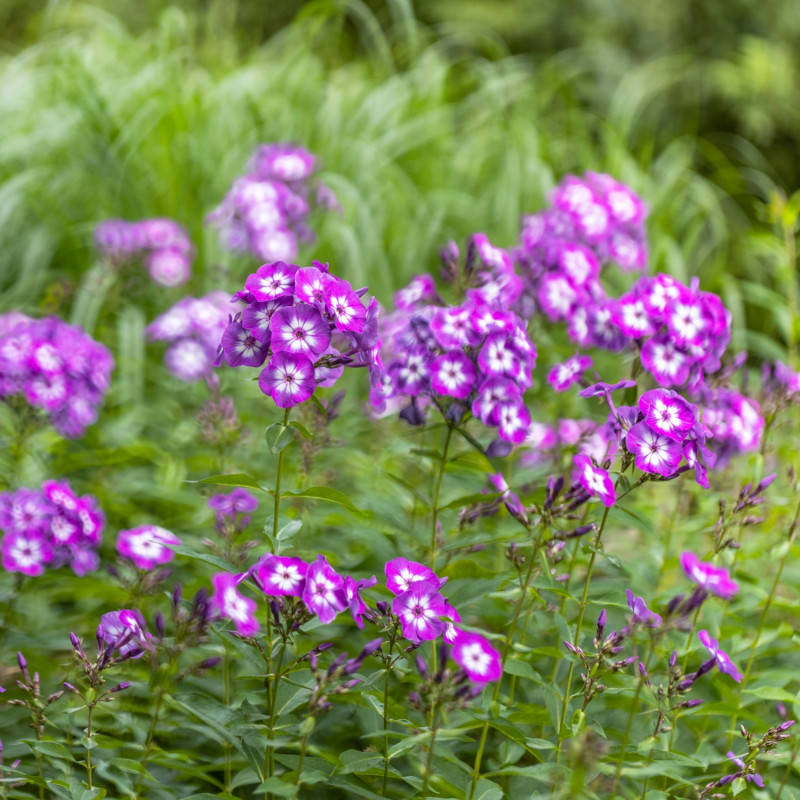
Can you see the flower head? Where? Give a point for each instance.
(281, 575)
(595, 480)
(420, 609)
(721, 658)
(231, 604)
(147, 546)
(476, 656)
(402, 573)
(716, 580)
(288, 379)
(324, 593)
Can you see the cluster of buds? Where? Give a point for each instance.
(740, 515)
(559, 506)
(336, 678)
(444, 690)
(232, 515)
(189, 627)
(316, 419)
(603, 661)
(34, 701)
(128, 645)
(746, 768)
(219, 423)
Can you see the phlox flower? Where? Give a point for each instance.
(271, 281)
(281, 575)
(241, 347)
(716, 580)
(476, 656)
(562, 376)
(451, 617)
(453, 374)
(288, 379)
(419, 609)
(751, 777)
(668, 414)
(229, 603)
(324, 593)
(721, 658)
(642, 615)
(345, 306)
(513, 421)
(402, 573)
(352, 593)
(124, 631)
(309, 286)
(147, 546)
(665, 362)
(300, 330)
(654, 453)
(595, 480)
(257, 317)
(25, 553)
(421, 288)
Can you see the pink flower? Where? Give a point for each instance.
(716, 580)
(402, 573)
(668, 414)
(147, 546)
(654, 453)
(476, 656)
(231, 604)
(299, 330)
(280, 575)
(324, 590)
(562, 376)
(271, 281)
(723, 660)
(453, 374)
(420, 608)
(288, 379)
(595, 480)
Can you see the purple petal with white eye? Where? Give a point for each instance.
(345, 306)
(271, 281)
(667, 413)
(655, 454)
(300, 330)
(323, 593)
(476, 656)
(288, 379)
(257, 317)
(241, 348)
(453, 374)
(420, 609)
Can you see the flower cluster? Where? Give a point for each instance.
(165, 246)
(147, 546)
(193, 327)
(309, 323)
(734, 420)
(57, 368)
(474, 356)
(266, 211)
(51, 527)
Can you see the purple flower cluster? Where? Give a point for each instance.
(472, 356)
(424, 614)
(307, 324)
(193, 327)
(50, 527)
(266, 211)
(147, 546)
(57, 368)
(734, 420)
(233, 510)
(165, 245)
(124, 631)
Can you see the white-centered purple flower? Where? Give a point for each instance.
(345, 306)
(454, 327)
(716, 580)
(668, 414)
(421, 288)
(271, 281)
(595, 480)
(124, 631)
(288, 379)
(476, 656)
(453, 374)
(492, 394)
(231, 604)
(642, 615)
(283, 576)
(324, 593)
(352, 593)
(401, 574)
(299, 329)
(498, 357)
(513, 421)
(28, 554)
(257, 317)
(562, 376)
(310, 284)
(451, 617)
(241, 347)
(420, 609)
(147, 546)
(654, 453)
(722, 659)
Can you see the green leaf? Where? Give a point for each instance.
(289, 530)
(357, 761)
(772, 693)
(329, 495)
(208, 558)
(50, 749)
(129, 765)
(301, 429)
(236, 479)
(279, 436)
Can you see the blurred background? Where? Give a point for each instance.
(432, 120)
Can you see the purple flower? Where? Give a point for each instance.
(281, 575)
(492, 394)
(513, 421)
(510, 499)
(655, 454)
(124, 631)
(241, 347)
(147, 546)
(271, 281)
(324, 591)
(667, 413)
(169, 266)
(595, 480)
(310, 284)
(188, 360)
(498, 357)
(25, 553)
(751, 777)
(451, 617)
(419, 609)
(562, 376)
(605, 389)
(402, 573)
(454, 327)
(300, 330)
(476, 656)
(421, 288)
(352, 593)
(288, 379)
(257, 317)
(721, 658)
(231, 604)
(453, 374)
(239, 501)
(345, 306)
(641, 613)
(716, 580)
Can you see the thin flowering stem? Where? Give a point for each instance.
(269, 755)
(437, 493)
(579, 624)
(431, 745)
(89, 746)
(476, 768)
(789, 768)
(767, 605)
(303, 747)
(386, 680)
(277, 504)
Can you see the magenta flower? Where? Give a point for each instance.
(665, 362)
(654, 453)
(476, 656)
(257, 317)
(402, 573)
(241, 347)
(595, 480)
(667, 413)
(169, 266)
(498, 357)
(419, 609)
(454, 327)
(632, 317)
(299, 329)
(492, 394)
(421, 288)
(345, 306)
(231, 604)
(324, 590)
(513, 422)
(25, 553)
(451, 617)
(562, 376)
(453, 374)
(280, 575)
(750, 777)
(642, 615)
(124, 631)
(716, 580)
(147, 546)
(413, 376)
(310, 284)
(288, 379)
(271, 281)
(352, 593)
(722, 659)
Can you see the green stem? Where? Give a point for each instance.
(429, 759)
(151, 732)
(659, 720)
(788, 771)
(388, 665)
(277, 504)
(88, 747)
(226, 699)
(579, 625)
(436, 494)
(476, 769)
(303, 746)
(269, 757)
